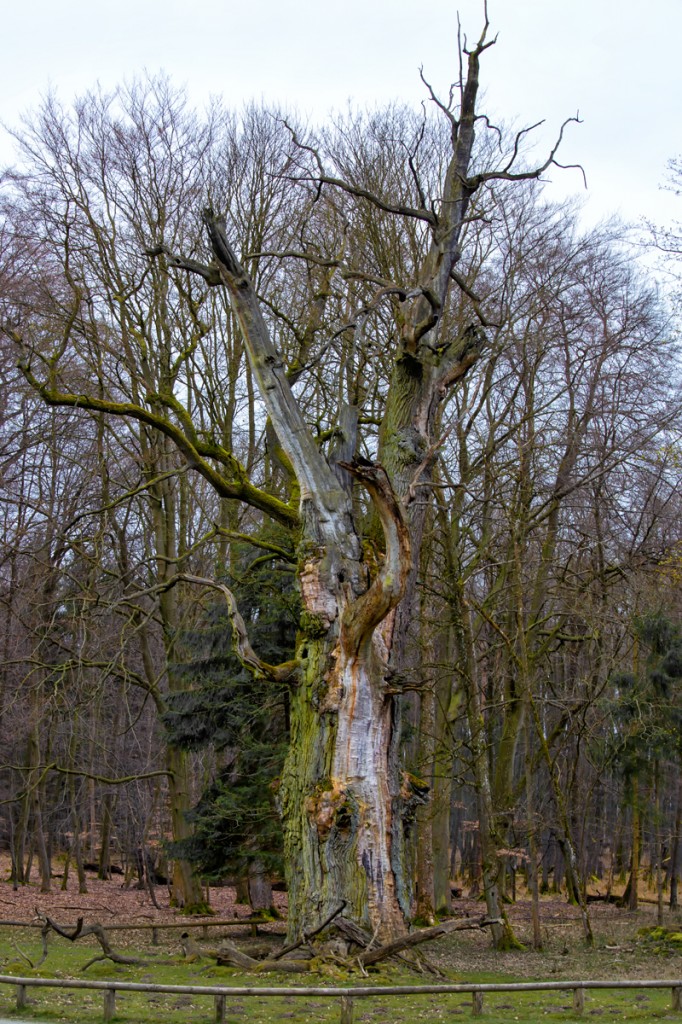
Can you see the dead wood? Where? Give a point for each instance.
(353, 933)
(80, 932)
(229, 956)
(372, 956)
(289, 966)
(23, 956)
(307, 936)
(417, 960)
(190, 949)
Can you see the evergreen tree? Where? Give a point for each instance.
(235, 824)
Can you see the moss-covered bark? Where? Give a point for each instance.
(336, 792)
(341, 793)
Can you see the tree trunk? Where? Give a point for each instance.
(533, 881)
(337, 792)
(576, 889)
(35, 797)
(425, 910)
(259, 888)
(104, 862)
(675, 851)
(503, 935)
(186, 885)
(632, 888)
(442, 789)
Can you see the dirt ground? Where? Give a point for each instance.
(619, 950)
(106, 901)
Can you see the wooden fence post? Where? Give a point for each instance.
(346, 1010)
(476, 1004)
(220, 1009)
(22, 1001)
(109, 1003)
(677, 998)
(155, 936)
(578, 1000)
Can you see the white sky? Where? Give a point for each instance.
(617, 62)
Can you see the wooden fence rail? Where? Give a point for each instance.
(231, 922)
(346, 995)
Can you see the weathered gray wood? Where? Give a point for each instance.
(219, 1009)
(109, 1004)
(578, 1000)
(476, 1004)
(677, 997)
(346, 1010)
(354, 992)
(415, 938)
(22, 1000)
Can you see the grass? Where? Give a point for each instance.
(165, 967)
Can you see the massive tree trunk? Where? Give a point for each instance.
(337, 788)
(337, 791)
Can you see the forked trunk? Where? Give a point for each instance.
(336, 795)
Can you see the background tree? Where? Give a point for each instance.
(421, 389)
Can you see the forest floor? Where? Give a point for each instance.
(619, 949)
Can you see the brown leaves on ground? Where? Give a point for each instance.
(106, 901)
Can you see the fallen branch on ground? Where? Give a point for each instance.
(80, 932)
(228, 955)
(372, 956)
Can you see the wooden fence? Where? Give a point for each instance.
(346, 996)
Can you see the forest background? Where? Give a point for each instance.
(534, 680)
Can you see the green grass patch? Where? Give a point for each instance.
(165, 967)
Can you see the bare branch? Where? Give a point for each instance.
(363, 193)
(81, 773)
(506, 175)
(194, 450)
(372, 956)
(385, 592)
(439, 103)
(243, 649)
(210, 273)
(311, 934)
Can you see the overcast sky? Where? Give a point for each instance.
(617, 62)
